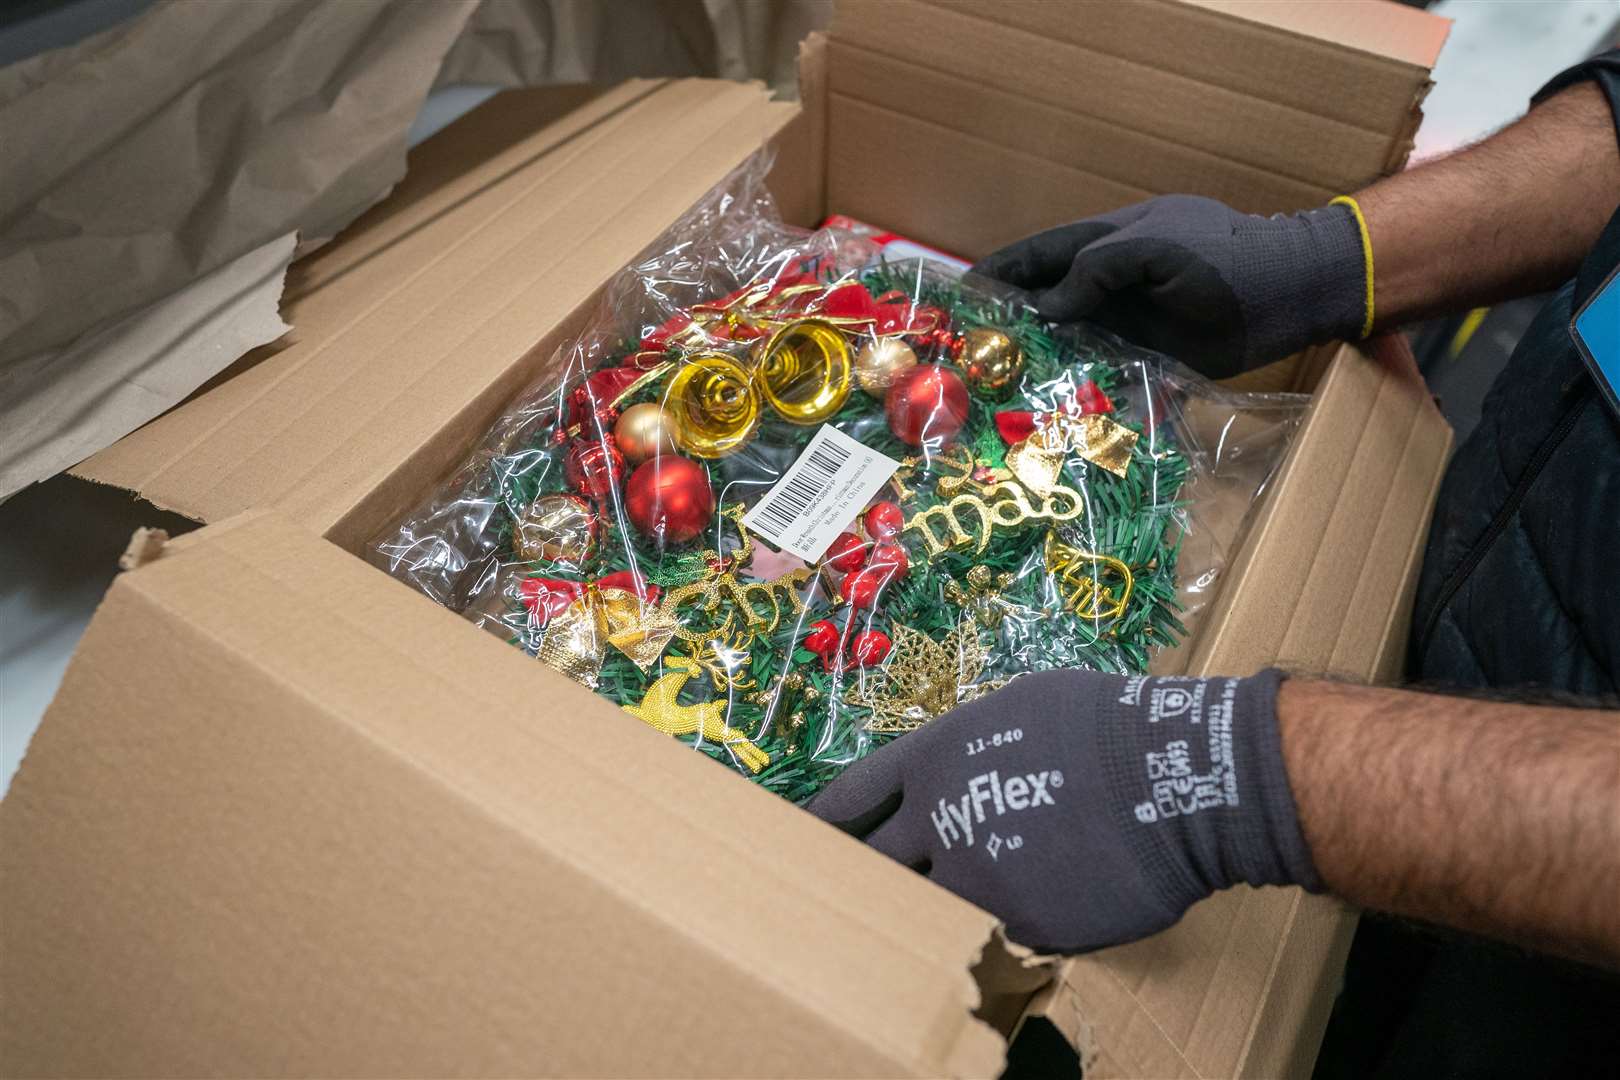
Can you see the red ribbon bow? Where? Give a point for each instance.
(1016, 425)
(546, 598)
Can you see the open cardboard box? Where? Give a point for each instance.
(286, 816)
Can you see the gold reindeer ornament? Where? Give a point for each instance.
(660, 708)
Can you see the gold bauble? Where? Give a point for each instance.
(990, 361)
(878, 362)
(645, 431)
(561, 528)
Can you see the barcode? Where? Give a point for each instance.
(783, 509)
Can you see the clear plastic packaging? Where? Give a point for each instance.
(1058, 498)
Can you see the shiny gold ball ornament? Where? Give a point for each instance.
(990, 360)
(645, 431)
(804, 370)
(714, 403)
(561, 528)
(879, 361)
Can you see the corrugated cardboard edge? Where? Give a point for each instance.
(342, 712)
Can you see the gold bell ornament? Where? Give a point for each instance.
(714, 404)
(803, 370)
(990, 360)
(880, 361)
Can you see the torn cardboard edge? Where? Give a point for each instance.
(144, 546)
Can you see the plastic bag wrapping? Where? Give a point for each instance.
(666, 517)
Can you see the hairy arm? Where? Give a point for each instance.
(1508, 216)
(1497, 818)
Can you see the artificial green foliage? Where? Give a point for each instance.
(1136, 519)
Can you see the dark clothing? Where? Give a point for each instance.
(1521, 581)
(1520, 591)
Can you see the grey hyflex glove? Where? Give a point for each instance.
(1219, 290)
(1086, 809)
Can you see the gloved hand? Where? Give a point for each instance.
(1219, 290)
(1086, 809)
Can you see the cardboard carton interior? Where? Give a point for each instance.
(292, 862)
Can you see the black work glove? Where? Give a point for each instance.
(1086, 809)
(1219, 290)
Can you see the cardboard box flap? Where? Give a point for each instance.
(357, 862)
(412, 328)
(1323, 584)
(1078, 107)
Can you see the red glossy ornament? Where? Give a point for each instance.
(861, 588)
(822, 638)
(888, 562)
(869, 648)
(884, 520)
(927, 404)
(669, 497)
(593, 467)
(847, 553)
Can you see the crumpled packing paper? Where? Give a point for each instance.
(158, 175)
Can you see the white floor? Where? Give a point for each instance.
(60, 541)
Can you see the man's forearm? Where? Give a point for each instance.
(1498, 818)
(1509, 216)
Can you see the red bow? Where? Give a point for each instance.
(546, 598)
(1016, 425)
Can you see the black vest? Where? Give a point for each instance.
(1521, 579)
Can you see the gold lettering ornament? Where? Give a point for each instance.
(737, 611)
(660, 708)
(1003, 503)
(1092, 586)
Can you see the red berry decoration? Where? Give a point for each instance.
(869, 648)
(822, 638)
(669, 497)
(888, 563)
(884, 521)
(593, 467)
(847, 553)
(861, 588)
(927, 403)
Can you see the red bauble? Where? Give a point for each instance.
(927, 403)
(669, 497)
(822, 638)
(847, 553)
(869, 648)
(593, 467)
(888, 562)
(884, 520)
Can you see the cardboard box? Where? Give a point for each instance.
(288, 817)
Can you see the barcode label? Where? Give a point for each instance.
(820, 494)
